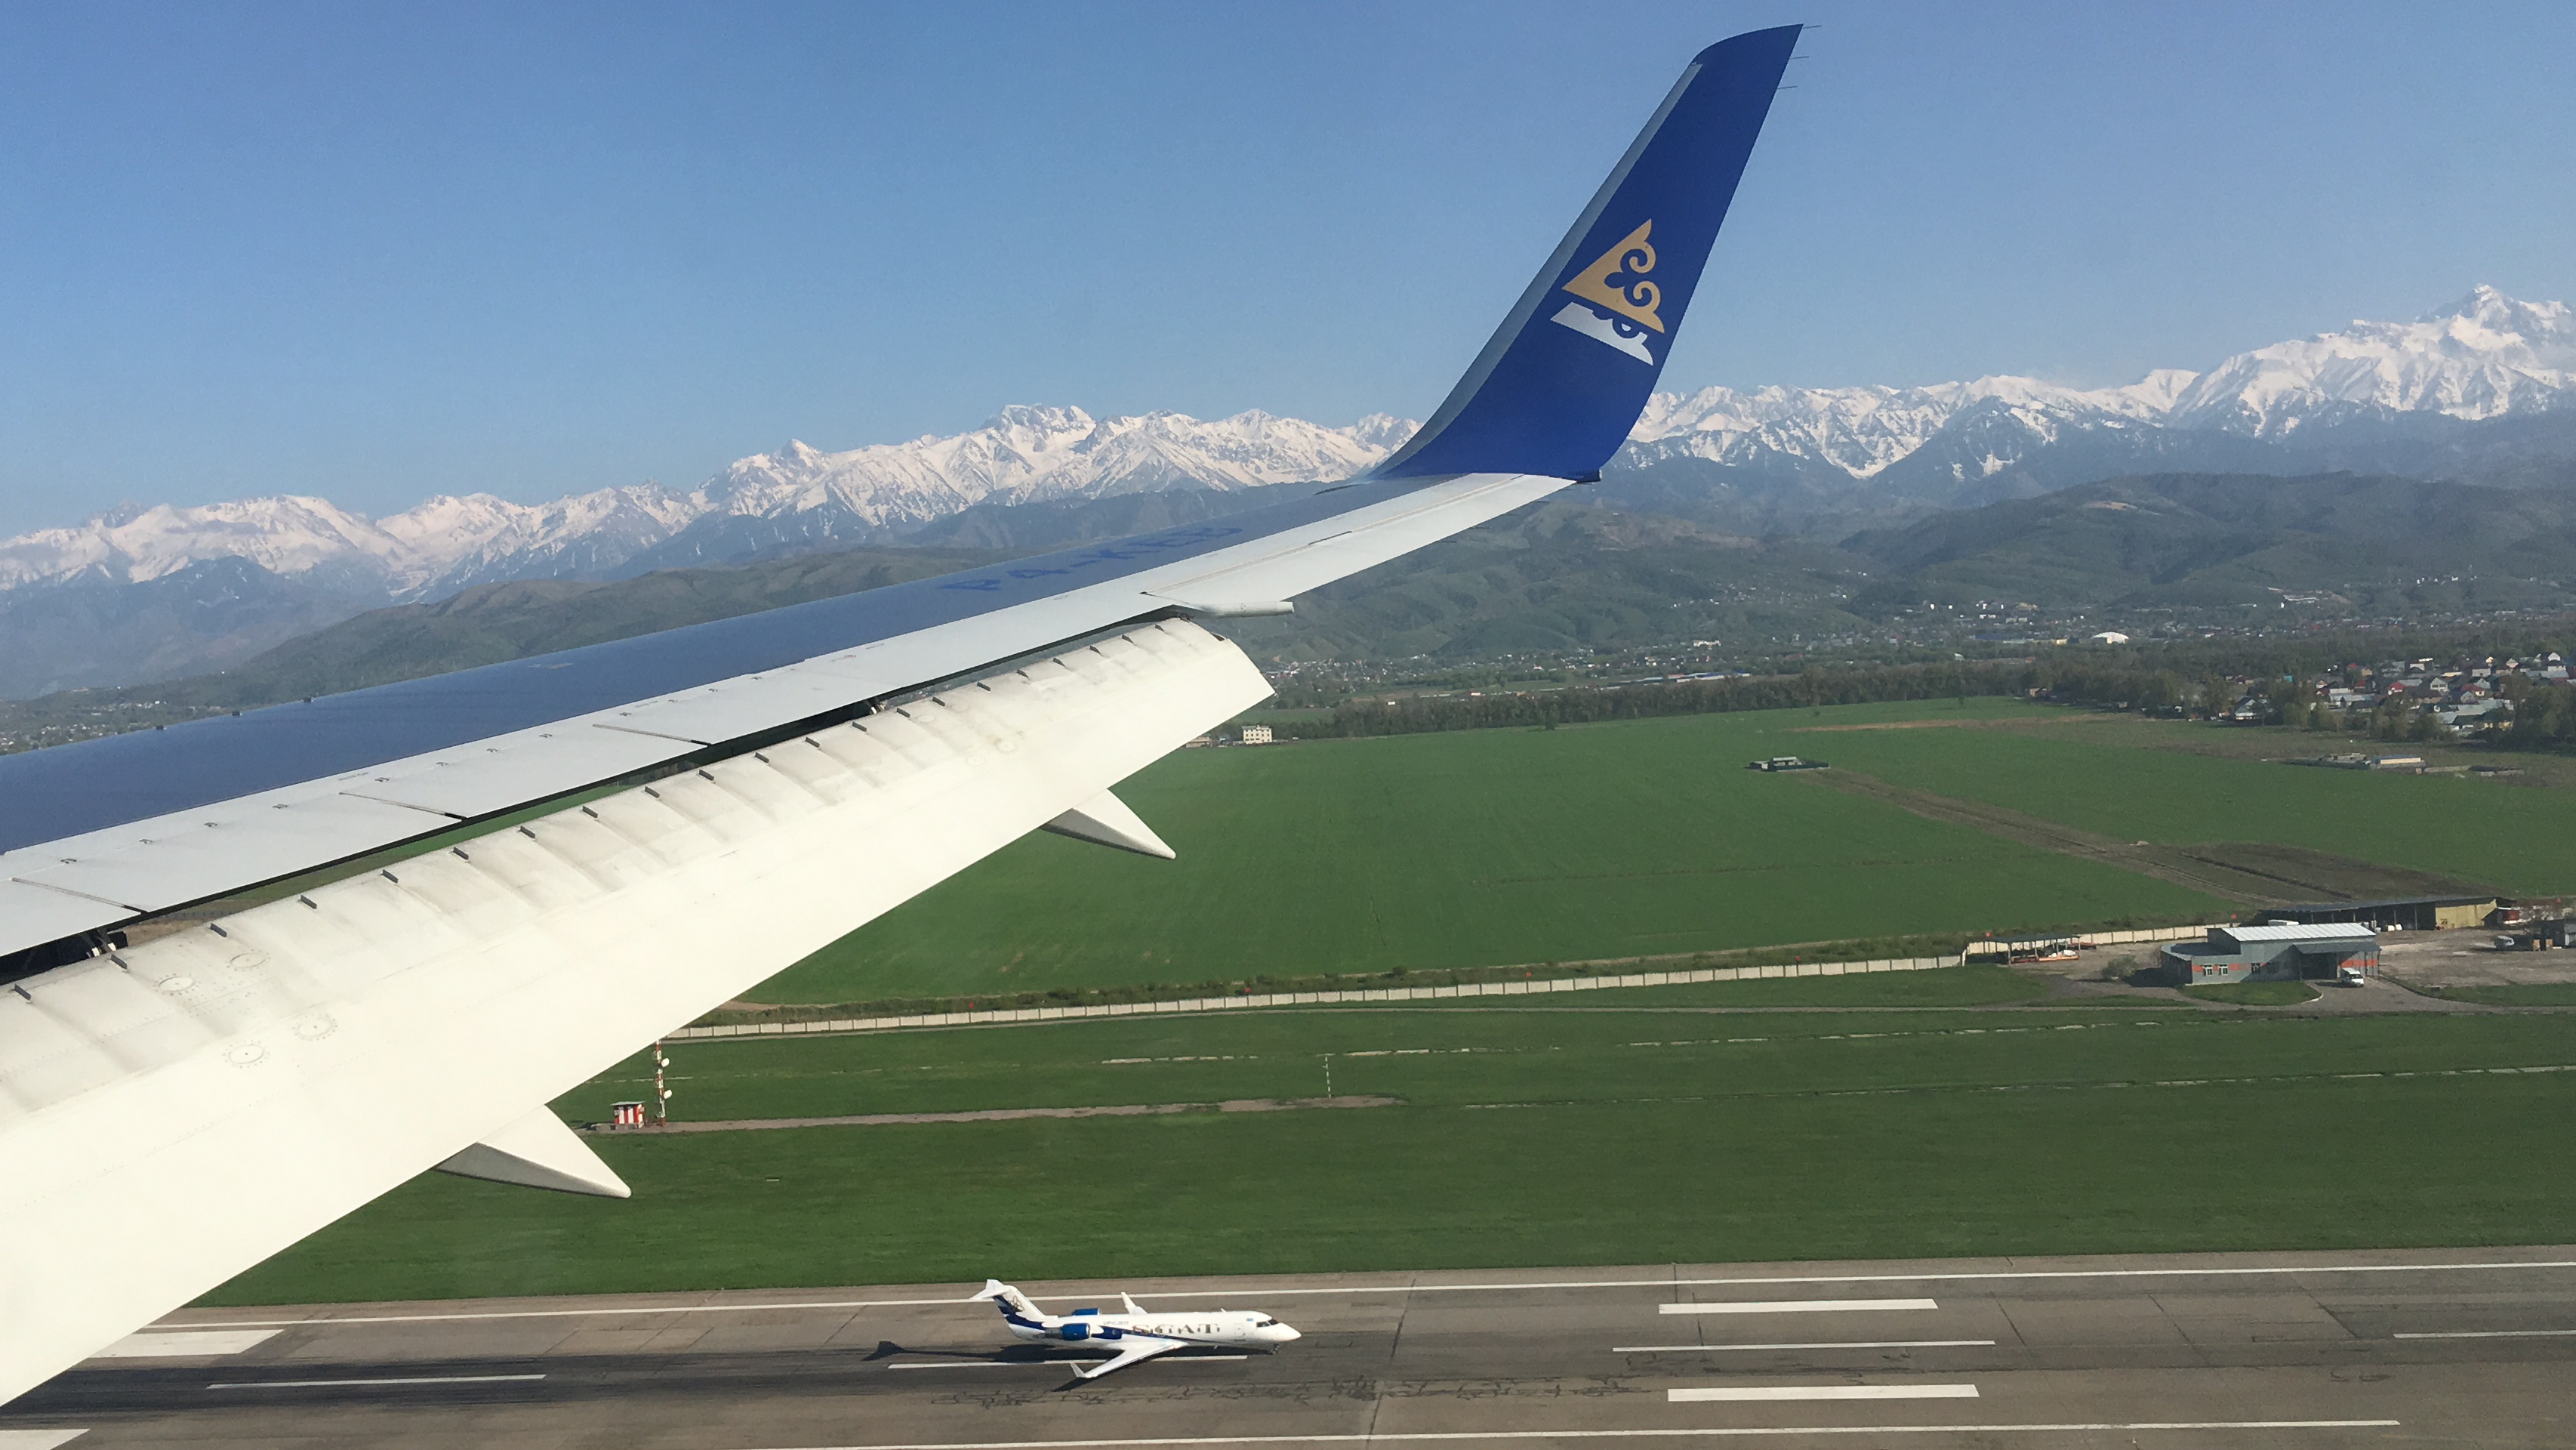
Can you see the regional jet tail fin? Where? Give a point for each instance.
(1566, 375)
(1013, 1304)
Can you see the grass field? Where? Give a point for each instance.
(2515, 838)
(1525, 1136)
(1646, 838)
(1472, 849)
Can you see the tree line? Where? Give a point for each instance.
(2181, 679)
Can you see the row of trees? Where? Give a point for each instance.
(2545, 714)
(2544, 718)
(1576, 706)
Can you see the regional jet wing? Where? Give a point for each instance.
(1136, 1349)
(694, 810)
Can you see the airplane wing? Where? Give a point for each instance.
(1136, 1348)
(607, 842)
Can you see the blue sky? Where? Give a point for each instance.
(378, 252)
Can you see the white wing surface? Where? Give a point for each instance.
(1137, 1348)
(178, 1111)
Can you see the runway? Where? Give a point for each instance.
(2395, 1348)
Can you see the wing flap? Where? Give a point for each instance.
(207, 853)
(503, 774)
(38, 914)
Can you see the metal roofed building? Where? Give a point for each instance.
(2272, 953)
(2408, 913)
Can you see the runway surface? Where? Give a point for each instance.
(2397, 1348)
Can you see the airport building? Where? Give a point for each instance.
(2273, 953)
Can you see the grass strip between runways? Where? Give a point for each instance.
(1563, 1143)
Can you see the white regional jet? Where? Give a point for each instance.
(1134, 1335)
(195, 1073)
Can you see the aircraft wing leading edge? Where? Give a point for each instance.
(174, 1112)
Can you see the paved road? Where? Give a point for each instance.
(2382, 1349)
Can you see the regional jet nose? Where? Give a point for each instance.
(1283, 1333)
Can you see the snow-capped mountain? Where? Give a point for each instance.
(2483, 388)
(1776, 457)
(131, 543)
(798, 495)
(1861, 432)
(2482, 357)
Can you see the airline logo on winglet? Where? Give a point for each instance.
(1618, 303)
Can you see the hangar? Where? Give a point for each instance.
(2408, 913)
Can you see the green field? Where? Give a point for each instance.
(1641, 839)
(1479, 848)
(1613, 1133)
(1899, 1114)
(2516, 838)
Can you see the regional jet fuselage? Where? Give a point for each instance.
(1135, 1334)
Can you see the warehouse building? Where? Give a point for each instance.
(2406, 913)
(2284, 952)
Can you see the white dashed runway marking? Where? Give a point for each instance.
(441, 1379)
(1799, 1306)
(2493, 1334)
(1824, 1392)
(1048, 1363)
(1824, 1344)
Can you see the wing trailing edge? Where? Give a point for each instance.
(178, 1111)
(538, 1151)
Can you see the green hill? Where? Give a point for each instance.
(1569, 577)
(1558, 577)
(2381, 545)
(494, 622)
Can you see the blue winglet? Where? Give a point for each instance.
(1566, 375)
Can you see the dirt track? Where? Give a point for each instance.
(2165, 863)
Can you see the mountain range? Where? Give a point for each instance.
(2481, 390)
(798, 495)
(1571, 576)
